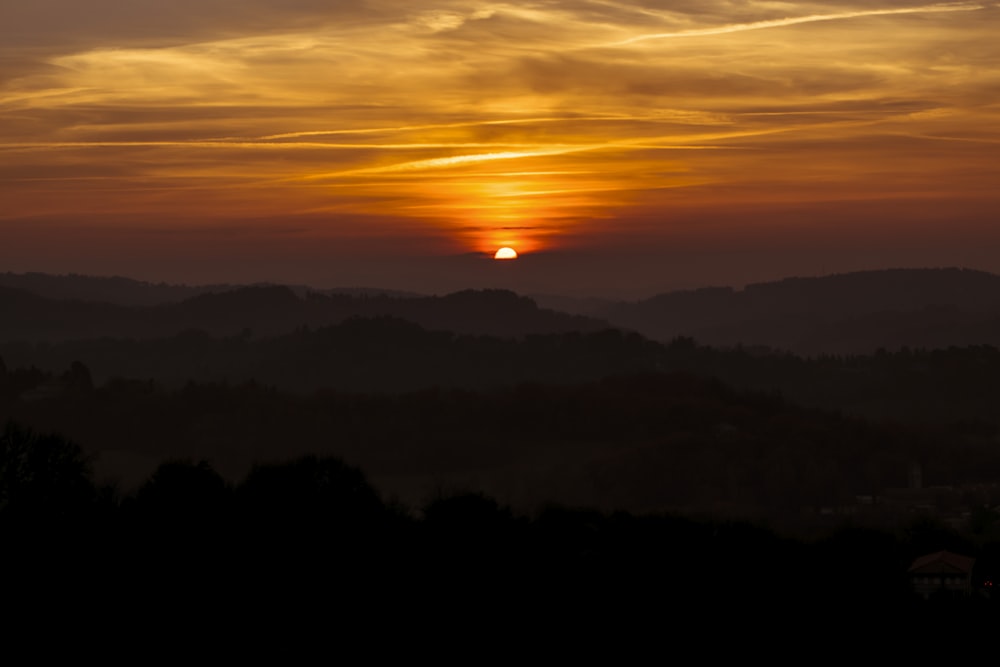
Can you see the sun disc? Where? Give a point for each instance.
(505, 253)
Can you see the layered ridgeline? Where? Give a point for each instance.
(639, 442)
(838, 314)
(129, 292)
(488, 390)
(269, 310)
(303, 341)
(854, 313)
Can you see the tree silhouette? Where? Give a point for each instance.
(473, 548)
(311, 507)
(320, 487)
(42, 477)
(178, 524)
(313, 523)
(183, 490)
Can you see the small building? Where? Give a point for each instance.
(942, 574)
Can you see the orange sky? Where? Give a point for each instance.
(622, 148)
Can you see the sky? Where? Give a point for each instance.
(622, 148)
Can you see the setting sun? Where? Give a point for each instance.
(642, 146)
(505, 253)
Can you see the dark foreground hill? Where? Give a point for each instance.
(310, 536)
(637, 441)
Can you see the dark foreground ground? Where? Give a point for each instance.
(313, 534)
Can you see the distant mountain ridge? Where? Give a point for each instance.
(841, 313)
(128, 292)
(275, 310)
(837, 314)
(104, 289)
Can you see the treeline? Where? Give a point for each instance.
(636, 442)
(389, 355)
(273, 311)
(852, 313)
(382, 354)
(314, 526)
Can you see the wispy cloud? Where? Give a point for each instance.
(796, 20)
(481, 114)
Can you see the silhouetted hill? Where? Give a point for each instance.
(128, 292)
(298, 528)
(846, 313)
(490, 312)
(589, 306)
(274, 310)
(634, 442)
(29, 317)
(955, 385)
(853, 313)
(104, 289)
(382, 354)
(359, 291)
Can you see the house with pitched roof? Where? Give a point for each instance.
(942, 574)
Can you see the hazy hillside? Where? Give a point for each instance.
(636, 442)
(274, 310)
(380, 354)
(957, 385)
(128, 292)
(848, 313)
(854, 313)
(105, 289)
(485, 390)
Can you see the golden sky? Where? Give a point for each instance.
(637, 145)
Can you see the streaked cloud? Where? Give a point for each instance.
(796, 20)
(450, 119)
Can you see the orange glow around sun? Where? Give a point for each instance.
(505, 253)
(471, 126)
